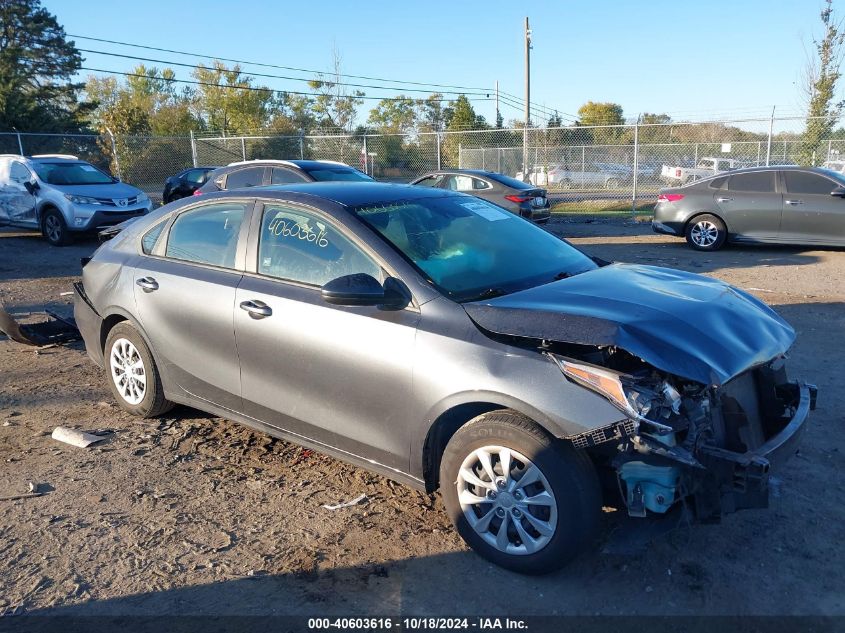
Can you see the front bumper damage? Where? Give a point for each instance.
(715, 465)
(741, 479)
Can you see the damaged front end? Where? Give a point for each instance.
(709, 448)
(695, 366)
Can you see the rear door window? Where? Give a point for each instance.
(807, 183)
(459, 183)
(753, 182)
(249, 177)
(207, 234)
(282, 176)
(431, 181)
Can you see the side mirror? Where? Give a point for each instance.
(31, 186)
(839, 192)
(361, 289)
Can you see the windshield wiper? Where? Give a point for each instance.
(490, 293)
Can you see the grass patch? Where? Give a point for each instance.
(604, 207)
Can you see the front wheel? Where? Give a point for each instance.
(706, 233)
(54, 228)
(520, 498)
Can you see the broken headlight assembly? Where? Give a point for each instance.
(640, 402)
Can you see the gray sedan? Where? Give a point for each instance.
(524, 199)
(779, 205)
(444, 342)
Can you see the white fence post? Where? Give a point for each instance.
(829, 142)
(20, 144)
(437, 135)
(194, 150)
(114, 154)
(636, 165)
(460, 158)
(301, 144)
(243, 147)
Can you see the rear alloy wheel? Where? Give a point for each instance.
(132, 374)
(612, 183)
(520, 498)
(706, 233)
(54, 228)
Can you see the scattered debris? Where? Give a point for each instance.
(75, 437)
(348, 504)
(26, 495)
(56, 329)
(760, 289)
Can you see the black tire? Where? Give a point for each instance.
(54, 228)
(706, 232)
(569, 474)
(153, 403)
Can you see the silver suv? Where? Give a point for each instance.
(60, 194)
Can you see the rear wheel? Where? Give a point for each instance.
(706, 233)
(54, 228)
(612, 183)
(520, 498)
(132, 374)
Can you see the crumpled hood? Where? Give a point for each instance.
(685, 324)
(111, 190)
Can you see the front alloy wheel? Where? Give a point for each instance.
(54, 228)
(519, 497)
(507, 500)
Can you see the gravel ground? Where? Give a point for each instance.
(192, 514)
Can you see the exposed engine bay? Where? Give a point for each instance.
(683, 442)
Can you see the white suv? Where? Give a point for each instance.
(59, 194)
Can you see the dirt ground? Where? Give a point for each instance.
(192, 514)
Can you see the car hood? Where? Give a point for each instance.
(685, 324)
(113, 190)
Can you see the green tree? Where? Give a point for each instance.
(228, 101)
(602, 114)
(822, 74)
(394, 116)
(37, 63)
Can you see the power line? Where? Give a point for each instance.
(265, 75)
(252, 88)
(265, 65)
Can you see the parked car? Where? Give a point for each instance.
(257, 173)
(185, 183)
(705, 168)
(778, 205)
(574, 176)
(60, 195)
(444, 342)
(835, 165)
(523, 199)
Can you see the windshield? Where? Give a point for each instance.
(336, 173)
(71, 174)
(835, 175)
(472, 249)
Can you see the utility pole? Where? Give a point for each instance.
(497, 101)
(527, 100)
(769, 142)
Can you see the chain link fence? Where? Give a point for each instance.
(586, 169)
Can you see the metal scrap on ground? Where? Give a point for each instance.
(348, 504)
(75, 437)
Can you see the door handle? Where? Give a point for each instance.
(148, 284)
(256, 309)
(793, 202)
(724, 199)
